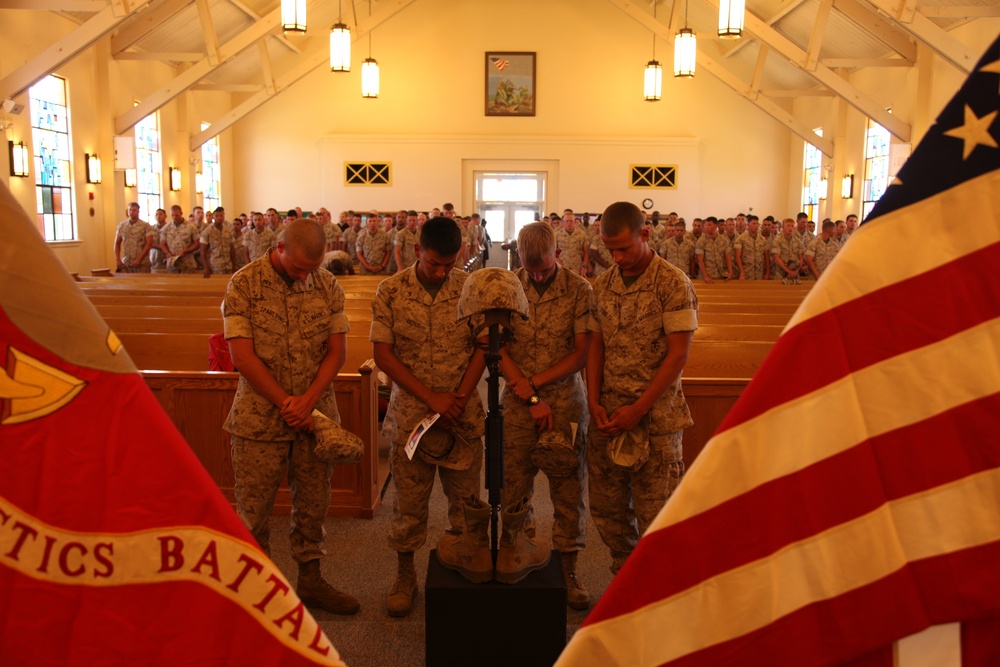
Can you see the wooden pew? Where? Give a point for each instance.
(737, 332)
(708, 317)
(198, 403)
(189, 351)
(709, 400)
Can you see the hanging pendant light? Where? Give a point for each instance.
(652, 79)
(731, 18)
(685, 50)
(685, 53)
(652, 82)
(293, 16)
(340, 46)
(369, 78)
(369, 68)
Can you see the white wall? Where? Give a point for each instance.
(430, 117)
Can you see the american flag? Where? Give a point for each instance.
(500, 63)
(116, 547)
(847, 511)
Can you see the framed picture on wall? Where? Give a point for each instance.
(510, 83)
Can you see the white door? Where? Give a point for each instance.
(508, 202)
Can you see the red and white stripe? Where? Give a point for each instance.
(852, 496)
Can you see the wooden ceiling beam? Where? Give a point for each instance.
(316, 58)
(748, 92)
(198, 71)
(64, 50)
(928, 33)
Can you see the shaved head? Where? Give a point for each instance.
(307, 237)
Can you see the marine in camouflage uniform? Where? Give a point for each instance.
(421, 345)
(133, 238)
(178, 237)
(558, 314)
(373, 245)
(787, 249)
(406, 241)
(597, 250)
(639, 322)
(257, 243)
(350, 240)
(157, 259)
(822, 250)
(572, 245)
(753, 251)
(679, 251)
(714, 252)
(286, 327)
(544, 358)
(333, 234)
(390, 239)
(219, 239)
(426, 337)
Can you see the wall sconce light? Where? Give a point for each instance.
(199, 183)
(293, 16)
(824, 185)
(175, 179)
(340, 46)
(93, 168)
(130, 178)
(18, 159)
(847, 187)
(731, 18)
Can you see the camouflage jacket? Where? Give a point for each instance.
(634, 322)
(290, 327)
(427, 337)
(556, 317)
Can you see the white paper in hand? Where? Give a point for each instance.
(418, 432)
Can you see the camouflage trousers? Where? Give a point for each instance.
(569, 524)
(413, 480)
(128, 268)
(157, 259)
(186, 264)
(259, 467)
(624, 503)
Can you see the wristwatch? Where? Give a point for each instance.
(534, 400)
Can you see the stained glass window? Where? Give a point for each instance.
(149, 166)
(876, 165)
(812, 179)
(211, 175)
(53, 166)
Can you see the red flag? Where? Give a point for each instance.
(851, 498)
(116, 548)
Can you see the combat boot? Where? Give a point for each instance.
(577, 596)
(405, 589)
(469, 553)
(519, 555)
(313, 590)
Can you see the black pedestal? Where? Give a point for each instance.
(490, 624)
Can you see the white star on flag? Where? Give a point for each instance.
(975, 131)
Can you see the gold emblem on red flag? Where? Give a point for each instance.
(30, 388)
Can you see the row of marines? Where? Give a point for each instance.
(620, 436)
